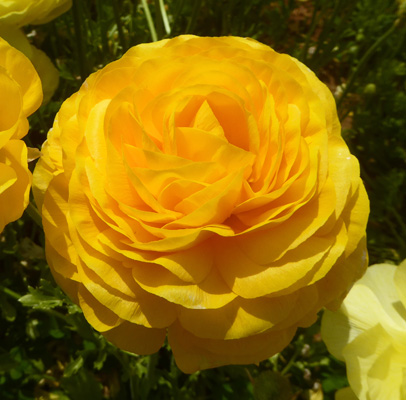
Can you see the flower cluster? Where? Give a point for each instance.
(200, 188)
(369, 333)
(20, 96)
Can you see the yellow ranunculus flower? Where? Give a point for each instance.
(368, 332)
(200, 187)
(23, 12)
(20, 96)
(47, 72)
(17, 13)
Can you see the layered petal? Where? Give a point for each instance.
(368, 332)
(20, 95)
(200, 186)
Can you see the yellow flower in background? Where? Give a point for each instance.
(368, 332)
(18, 13)
(20, 96)
(200, 188)
(345, 393)
(47, 72)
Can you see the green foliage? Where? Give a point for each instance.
(47, 350)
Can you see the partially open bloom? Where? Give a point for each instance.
(18, 13)
(200, 188)
(47, 72)
(20, 96)
(369, 333)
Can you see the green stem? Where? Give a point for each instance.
(33, 212)
(121, 37)
(291, 361)
(164, 17)
(363, 61)
(177, 12)
(150, 22)
(10, 292)
(103, 27)
(395, 233)
(326, 29)
(315, 20)
(401, 223)
(158, 21)
(193, 19)
(79, 39)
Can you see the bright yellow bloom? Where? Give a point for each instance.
(18, 13)
(369, 333)
(20, 96)
(200, 187)
(47, 72)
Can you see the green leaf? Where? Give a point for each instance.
(334, 382)
(73, 367)
(7, 362)
(272, 386)
(98, 364)
(8, 311)
(36, 299)
(82, 386)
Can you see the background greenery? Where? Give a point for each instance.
(357, 47)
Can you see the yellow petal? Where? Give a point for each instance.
(193, 354)
(345, 394)
(212, 292)
(100, 317)
(22, 71)
(47, 72)
(374, 369)
(135, 338)
(242, 317)
(400, 282)
(14, 196)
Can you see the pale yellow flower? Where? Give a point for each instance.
(200, 188)
(369, 333)
(345, 394)
(20, 96)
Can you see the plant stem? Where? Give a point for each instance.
(103, 28)
(79, 40)
(401, 223)
(315, 20)
(291, 361)
(150, 22)
(177, 12)
(158, 21)
(363, 61)
(395, 233)
(164, 17)
(327, 26)
(33, 212)
(10, 292)
(117, 18)
(193, 19)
